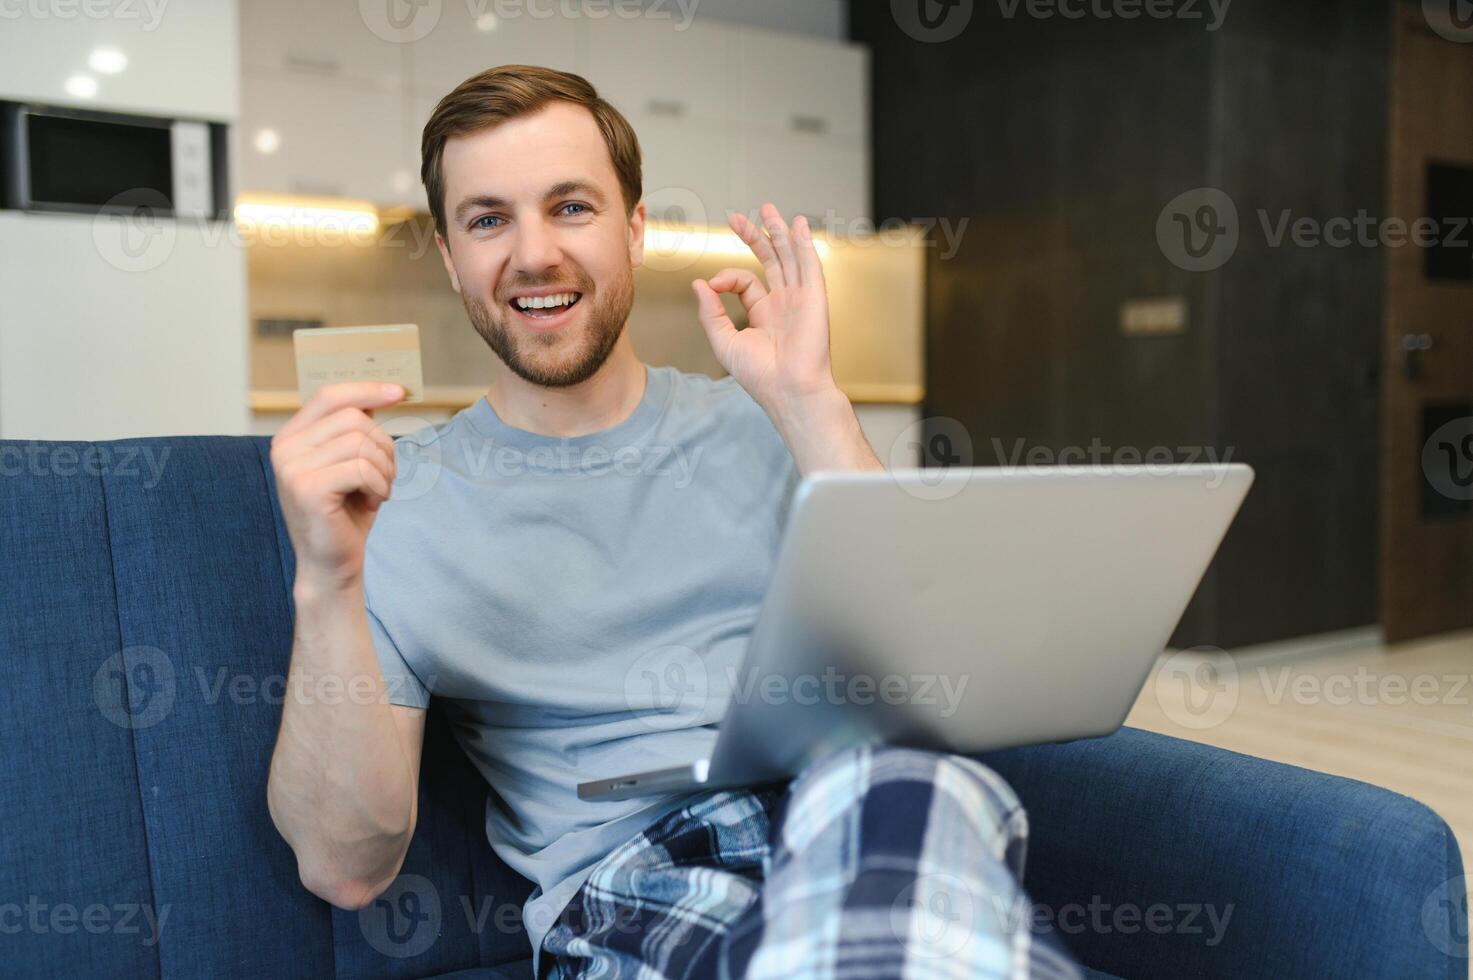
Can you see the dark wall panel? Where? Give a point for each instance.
(1060, 141)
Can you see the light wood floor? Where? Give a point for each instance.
(1399, 717)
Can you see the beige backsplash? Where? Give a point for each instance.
(875, 291)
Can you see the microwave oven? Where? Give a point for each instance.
(84, 162)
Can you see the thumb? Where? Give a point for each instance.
(719, 328)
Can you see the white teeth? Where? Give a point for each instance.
(543, 302)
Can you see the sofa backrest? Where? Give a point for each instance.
(145, 628)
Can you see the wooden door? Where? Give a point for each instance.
(1427, 390)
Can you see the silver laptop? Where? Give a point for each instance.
(959, 610)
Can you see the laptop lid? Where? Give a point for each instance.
(969, 609)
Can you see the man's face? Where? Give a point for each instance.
(533, 206)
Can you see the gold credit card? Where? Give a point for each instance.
(328, 355)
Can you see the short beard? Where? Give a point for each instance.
(605, 323)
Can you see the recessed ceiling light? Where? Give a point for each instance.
(266, 141)
(107, 61)
(81, 86)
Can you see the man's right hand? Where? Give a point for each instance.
(334, 467)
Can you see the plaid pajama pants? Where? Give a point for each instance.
(874, 862)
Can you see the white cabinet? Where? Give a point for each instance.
(469, 38)
(323, 39)
(730, 117)
(649, 68)
(326, 139)
(674, 87)
(727, 117)
(181, 57)
(689, 170)
(825, 178)
(146, 337)
(323, 103)
(804, 111)
(803, 86)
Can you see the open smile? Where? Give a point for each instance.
(545, 312)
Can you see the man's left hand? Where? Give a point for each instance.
(783, 354)
(782, 357)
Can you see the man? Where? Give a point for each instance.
(579, 604)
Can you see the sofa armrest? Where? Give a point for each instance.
(1155, 856)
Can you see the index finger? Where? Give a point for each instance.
(757, 241)
(744, 282)
(344, 394)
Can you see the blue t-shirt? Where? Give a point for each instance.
(581, 605)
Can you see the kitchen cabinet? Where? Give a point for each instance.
(727, 116)
(647, 67)
(326, 40)
(824, 178)
(469, 38)
(329, 140)
(180, 57)
(801, 85)
(803, 106)
(674, 88)
(689, 173)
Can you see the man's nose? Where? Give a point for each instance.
(536, 249)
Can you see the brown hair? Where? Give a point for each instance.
(507, 92)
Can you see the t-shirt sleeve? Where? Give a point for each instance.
(400, 681)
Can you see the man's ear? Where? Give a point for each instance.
(449, 265)
(636, 236)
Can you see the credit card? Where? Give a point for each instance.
(328, 355)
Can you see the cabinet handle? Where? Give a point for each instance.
(810, 124)
(312, 66)
(1412, 346)
(666, 107)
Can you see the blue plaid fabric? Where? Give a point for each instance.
(875, 861)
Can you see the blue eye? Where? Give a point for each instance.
(484, 217)
(566, 206)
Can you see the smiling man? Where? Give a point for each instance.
(578, 613)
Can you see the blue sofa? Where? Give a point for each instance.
(146, 630)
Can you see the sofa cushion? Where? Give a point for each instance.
(147, 626)
(201, 599)
(1252, 868)
(74, 869)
